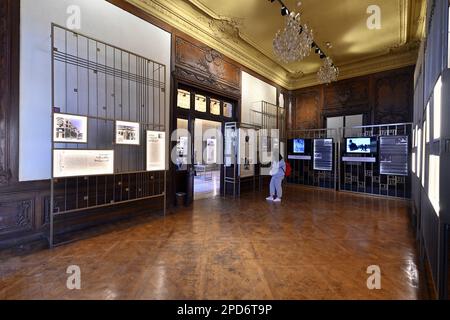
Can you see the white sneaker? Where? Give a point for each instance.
(269, 198)
(277, 200)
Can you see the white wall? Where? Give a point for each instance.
(100, 20)
(255, 90)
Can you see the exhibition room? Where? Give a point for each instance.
(224, 150)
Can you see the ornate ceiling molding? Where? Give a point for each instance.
(357, 69)
(223, 34)
(178, 15)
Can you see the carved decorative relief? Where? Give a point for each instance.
(383, 98)
(185, 74)
(16, 215)
(392, 100)
(307, 110)
(204, 65)
(347, 93)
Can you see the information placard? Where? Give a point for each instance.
(323, 154)
(211, 152)
(73, 163)
(394, 155)
(247, 152)
(156, 151)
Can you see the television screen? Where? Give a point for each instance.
(299, 146)
(361, 145)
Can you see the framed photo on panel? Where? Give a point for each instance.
(69, 128)
(127, 133)
(156, 151)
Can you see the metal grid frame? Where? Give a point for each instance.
(269, 117)
(105, 84)
(396, 129)
(320, 134)
(392, 181)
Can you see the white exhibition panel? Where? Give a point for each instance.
(156, 155)
(255, 90)
(100, 20)
(74, 163)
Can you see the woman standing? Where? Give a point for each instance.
(277, 172)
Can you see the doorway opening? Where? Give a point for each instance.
(198, 167)
(207, 158)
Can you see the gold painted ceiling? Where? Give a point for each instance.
(244, 30)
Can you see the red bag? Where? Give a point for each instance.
(288, 169)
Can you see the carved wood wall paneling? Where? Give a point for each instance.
(346, 94)
(393, 104)
(20, 202)
(5, 89)
(382, 98)
(202, 82)
(306, 113)
(17, 215)
(197, 63)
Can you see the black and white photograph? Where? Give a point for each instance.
(127, 133)
(69, 128)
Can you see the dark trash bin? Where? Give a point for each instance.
(181, 199)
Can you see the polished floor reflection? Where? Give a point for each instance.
(207, 185)
(315, 245)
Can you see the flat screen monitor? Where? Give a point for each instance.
(298, 146)
(362, 145)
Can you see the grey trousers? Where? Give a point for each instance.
(275, 187)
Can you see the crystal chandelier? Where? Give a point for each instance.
(328, 72)
(294, 42)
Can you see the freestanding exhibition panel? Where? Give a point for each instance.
(373, 159)
(315, 164)
(241, 166)
(381, 168)
(108, 126)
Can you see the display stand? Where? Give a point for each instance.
(240, 175)
(358, 172)
(303, 171)
(366, 176)
(108, 127)
(269, 117)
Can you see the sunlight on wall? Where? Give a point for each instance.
(433, 183)
(419, 151)
(437, 109)
(428, 134)
(424, 152)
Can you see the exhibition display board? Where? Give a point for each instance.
(371, 159)
(241, 166)
(108, 126)
(380, 164)
(312, 156)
